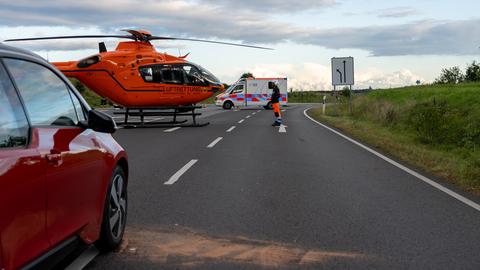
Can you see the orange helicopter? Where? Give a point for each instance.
(139, 78)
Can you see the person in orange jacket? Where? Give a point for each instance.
(275, 100)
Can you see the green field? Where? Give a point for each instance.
(307, 97)
(433, 127)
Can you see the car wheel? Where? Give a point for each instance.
(114, 213)
(227, 105)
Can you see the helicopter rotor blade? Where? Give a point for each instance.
(72, 37)
(208, 41)
(139, 36)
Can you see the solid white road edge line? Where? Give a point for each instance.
(85, 258)
(230, 129)
(180, 172)
(241, 121)
(427, 180)
(212, 144)
(172, 129)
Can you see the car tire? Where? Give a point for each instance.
(269, 106)
(227, 105)
(112, 229)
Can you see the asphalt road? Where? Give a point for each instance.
(263, 199)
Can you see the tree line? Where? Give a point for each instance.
(456, 75)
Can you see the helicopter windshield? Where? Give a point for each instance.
(189, 74)
(208, 76)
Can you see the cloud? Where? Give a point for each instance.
(397, 12)
(184, 18)
(376, 78)
(418, 38)
(248, 22)
(275, 6)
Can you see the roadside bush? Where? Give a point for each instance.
(470, 172)
(471, 138)
(380, 111)
(345, 92)
(428, 119)
(437, 123)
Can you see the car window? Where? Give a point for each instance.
(78, 108)
(46, 96)
(13, 122)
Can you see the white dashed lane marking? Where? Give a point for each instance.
(180, 172)
(212, 144)
(241, 121)
(248, 116)
(230, 129)
(172, 129)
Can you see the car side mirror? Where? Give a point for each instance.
(101, 122)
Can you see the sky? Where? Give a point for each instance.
(394, 43)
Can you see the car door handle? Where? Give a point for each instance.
(55, 156)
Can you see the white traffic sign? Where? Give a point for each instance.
(343, 71)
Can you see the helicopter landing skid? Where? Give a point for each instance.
(162, 111)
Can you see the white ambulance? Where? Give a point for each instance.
(252, 92)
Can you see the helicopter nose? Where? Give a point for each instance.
(218, 87)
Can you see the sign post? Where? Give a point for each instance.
(343, 75)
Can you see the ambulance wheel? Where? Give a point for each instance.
(269, 106)
(227, 105)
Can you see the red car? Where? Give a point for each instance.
(63, 178)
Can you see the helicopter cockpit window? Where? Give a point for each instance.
(208, 76)
(194, 76)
